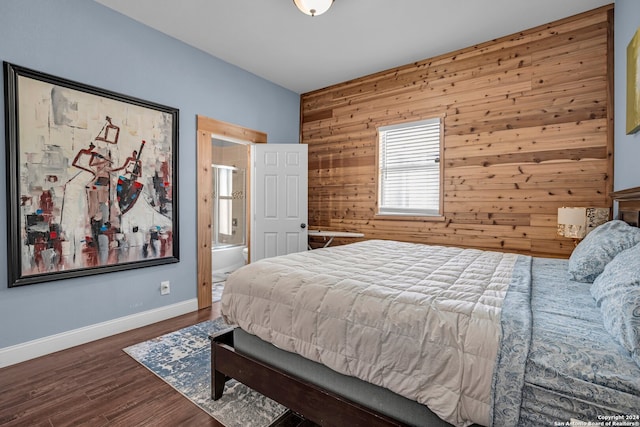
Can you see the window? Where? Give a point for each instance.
(409, 180)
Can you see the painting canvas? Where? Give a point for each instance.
(633, 84)
(92, 179)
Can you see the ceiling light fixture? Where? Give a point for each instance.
(313, 7)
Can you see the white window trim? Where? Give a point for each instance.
(391, 212)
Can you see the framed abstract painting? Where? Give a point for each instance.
(633, 84)
(91, 179)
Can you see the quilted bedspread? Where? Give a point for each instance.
(556, 361)
(422, 321)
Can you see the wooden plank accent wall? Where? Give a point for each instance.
(528, 128)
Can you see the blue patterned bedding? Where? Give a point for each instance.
(557, 362)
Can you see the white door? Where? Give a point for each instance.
(279, 200)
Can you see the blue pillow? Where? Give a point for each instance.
(617, 293)
(599, 247)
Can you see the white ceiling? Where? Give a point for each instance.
(272, 39)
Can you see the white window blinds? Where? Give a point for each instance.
(410, 168)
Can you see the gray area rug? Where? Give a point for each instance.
(183, 360)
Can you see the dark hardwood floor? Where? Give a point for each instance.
(97, 384)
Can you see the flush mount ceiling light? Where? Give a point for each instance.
(313, 7)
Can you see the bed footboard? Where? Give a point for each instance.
(312, 402)
(218, 379)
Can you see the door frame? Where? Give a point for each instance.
(207, 128)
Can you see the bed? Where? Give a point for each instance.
(392, 333)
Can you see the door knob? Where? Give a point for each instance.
(303, 225)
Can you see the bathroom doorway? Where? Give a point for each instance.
(208, 239)
(229, 238)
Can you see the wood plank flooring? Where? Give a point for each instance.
(97, 384)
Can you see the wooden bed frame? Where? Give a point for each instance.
(313, 402)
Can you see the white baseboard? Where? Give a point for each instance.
(42, 346)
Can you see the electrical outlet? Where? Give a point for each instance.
(165, 287)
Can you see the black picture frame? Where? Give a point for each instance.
(92, 179)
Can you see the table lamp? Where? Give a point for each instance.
(577, 222)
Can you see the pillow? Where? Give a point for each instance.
(617, 293)
(599, 247)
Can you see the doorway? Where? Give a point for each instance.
(230, 206)
(210, 130)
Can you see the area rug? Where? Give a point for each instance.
(183, 360)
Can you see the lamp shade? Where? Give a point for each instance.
(578, 222)
(313, 7)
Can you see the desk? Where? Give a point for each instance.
(331, 235)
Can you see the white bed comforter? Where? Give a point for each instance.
(422, 321)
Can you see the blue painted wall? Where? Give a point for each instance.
(83, 41)
(627, 147)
